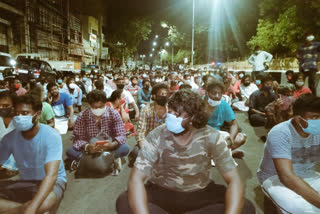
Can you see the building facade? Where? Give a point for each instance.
(50, 28)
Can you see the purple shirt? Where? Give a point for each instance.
(86, 127)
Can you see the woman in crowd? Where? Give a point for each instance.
(117, 102)
(299, 79)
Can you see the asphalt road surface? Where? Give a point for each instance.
(97, 196)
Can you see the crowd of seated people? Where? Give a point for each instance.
(184, 123)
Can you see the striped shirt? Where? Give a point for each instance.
(148, 121)
(308, 56)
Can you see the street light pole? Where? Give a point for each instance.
(192, 48)
(172, 56)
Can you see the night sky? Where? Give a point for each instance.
(179, 13)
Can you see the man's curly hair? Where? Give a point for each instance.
(191, 103)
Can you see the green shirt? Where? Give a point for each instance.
(46, 113)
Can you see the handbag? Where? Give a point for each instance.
(95, 165)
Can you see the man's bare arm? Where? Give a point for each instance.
(298, 185)
(235, 192)
(46, 185)
(137, 194)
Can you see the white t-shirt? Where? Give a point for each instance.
(128, 96)
(284, 142)
(258, 60)
(246, 91)
(3, 129)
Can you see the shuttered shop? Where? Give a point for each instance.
(3, 39)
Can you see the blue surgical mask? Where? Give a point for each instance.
(258, 82)
(174, 123)
(59, 81)
(23, 123)
(313, 127)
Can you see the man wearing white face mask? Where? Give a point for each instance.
(37, 149)
(287, 171)
(221, 113)
(171, 172)
(308, 54)
(258, 60)
(97, 119)
(74, 92)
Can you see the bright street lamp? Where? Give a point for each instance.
(151, 55)
(142, 57)
(167, 44)
(157, 36)
(152, 49)
(192, 48)
(154, 43)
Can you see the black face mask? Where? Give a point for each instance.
(246, 83)
(5, 112)
(146, 87)
(120, 86)
(267, 88)
(162, 100)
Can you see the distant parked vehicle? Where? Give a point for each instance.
(28, 56)
(7, 64)
(31, 68)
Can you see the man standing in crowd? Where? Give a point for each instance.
(287, 170)
(259, 100)
(258, 60)
(61, 105)
(175, 158)
(95, 120)
(151, 116)
(308, 54)
(37, 149)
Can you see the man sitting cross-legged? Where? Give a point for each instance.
(287, 170)
(37, 149)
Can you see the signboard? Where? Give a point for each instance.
(186, 60)
(93, 38)
(104, 53)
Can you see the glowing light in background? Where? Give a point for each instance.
(222, 18)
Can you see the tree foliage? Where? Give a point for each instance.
(124, 38)
(283, 24)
